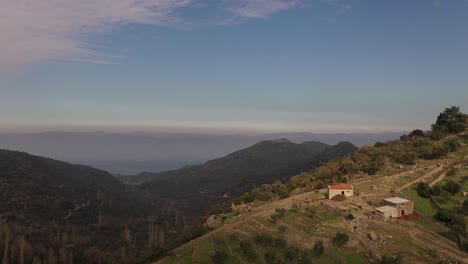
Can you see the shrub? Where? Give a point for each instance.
(320, 185)
(445, 215)
(280, 243)
(281, 212)
(340, 239)
(270, 257)
(248, 249)
(282, 229)
(264, 239)
(386, 259)
(452, 187)
(453, 144)
(405, 157)
(349, 217)
(436, 190)
(379, 144)
(416, 133)
(319, 247)
(248, 198)
(436, 135)
(219, 256)
(423, 190)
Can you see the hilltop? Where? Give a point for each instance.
(200, 186)
(429, 168)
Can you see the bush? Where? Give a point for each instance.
(281, 212)
(350, 217)
(453, 144)
(436, 135)
(452, 187)
(423, 190)
(320, 185)
(282, 229)
(436, 190)
(270, 257)
(319, 247)
(379, 144)
(264, 239)
(280, 243)
(386, 259)
(340, 239)
(248, 198)
(219, 256)
(445, 215)
(416, 133)
(248, 249)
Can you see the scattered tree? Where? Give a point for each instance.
(450, 121)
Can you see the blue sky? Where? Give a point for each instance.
(231, 66)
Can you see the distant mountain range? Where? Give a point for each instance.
(264, 162)
(133, 153)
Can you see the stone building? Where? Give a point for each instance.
(340, 189)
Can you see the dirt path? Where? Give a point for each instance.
(229, 246)
(438, 179)
(425, 176)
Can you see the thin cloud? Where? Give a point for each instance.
(260, 8)
(59, 30)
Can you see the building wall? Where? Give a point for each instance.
(402, 208)
(347, 193)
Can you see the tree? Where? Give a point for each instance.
(450, 121)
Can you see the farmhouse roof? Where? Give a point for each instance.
(340, 187)
(396, 200)
(386, 208)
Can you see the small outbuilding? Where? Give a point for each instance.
(402, 206)
(340, 189)
(386, 211)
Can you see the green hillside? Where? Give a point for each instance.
(306, 227)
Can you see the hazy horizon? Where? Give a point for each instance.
(241, 66)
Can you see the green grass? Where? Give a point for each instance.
(352, 257)
(422, 205)
(324, 259)
(202, 251)
(231, 215)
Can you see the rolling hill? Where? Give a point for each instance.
(264, 162)
(308, 228)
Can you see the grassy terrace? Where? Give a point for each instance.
(422, 205)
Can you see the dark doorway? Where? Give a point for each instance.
(402, 212)
(342, 192)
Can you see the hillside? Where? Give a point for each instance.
(264, 162)
(429, 168)
(287, 230)
(55, 212)
(136, 152)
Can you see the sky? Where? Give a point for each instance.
(244, 66)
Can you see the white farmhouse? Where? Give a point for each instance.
(340, 189)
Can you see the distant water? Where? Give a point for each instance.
(123, 167)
